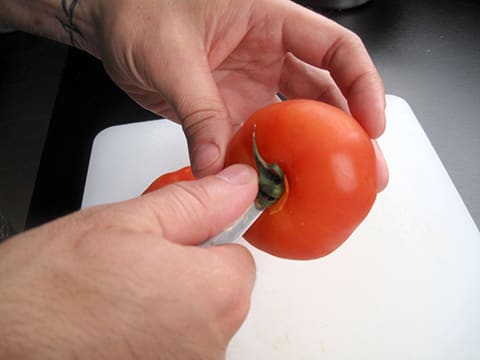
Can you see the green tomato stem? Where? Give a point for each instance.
(271, 183)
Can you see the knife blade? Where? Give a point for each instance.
(239, 227)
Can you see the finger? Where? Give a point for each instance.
(191, 212)
(325, 44)
(382, 169)
(189, 87)
(235, 264)
(300, 80)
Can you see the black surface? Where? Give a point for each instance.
(427, 52)
(30, 71)
(87, 102)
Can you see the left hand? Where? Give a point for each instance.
(209, 64)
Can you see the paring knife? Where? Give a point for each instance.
(238, 228)
(271, 187)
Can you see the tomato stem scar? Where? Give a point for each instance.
(271, 183)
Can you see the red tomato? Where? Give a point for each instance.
(329, 167)
(329, 164)
(183, 174)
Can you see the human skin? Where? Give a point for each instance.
(124, 280)
(209, 64)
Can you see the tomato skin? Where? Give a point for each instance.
(329, 162)
(183, 174)
(330, 166)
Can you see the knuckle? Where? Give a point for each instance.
(196, 121)
(100, 231)
(184, 204)
(342, 48)
(353, 38)
(232, 294)
(191, 199)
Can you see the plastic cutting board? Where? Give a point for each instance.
(406, 285)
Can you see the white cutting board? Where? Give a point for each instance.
(406, 285)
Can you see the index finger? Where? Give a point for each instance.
(325, 44)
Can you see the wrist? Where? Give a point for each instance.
(68, 21)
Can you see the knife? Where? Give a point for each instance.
(271, 187)
(239, 227)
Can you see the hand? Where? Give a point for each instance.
(118, 282)
(209, 64)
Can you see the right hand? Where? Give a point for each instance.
(118, 281)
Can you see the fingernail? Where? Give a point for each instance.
(237, 174)
(205, 156)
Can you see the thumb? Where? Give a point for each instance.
(191, 212)
(193, 93)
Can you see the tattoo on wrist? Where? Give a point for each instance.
(69, 26)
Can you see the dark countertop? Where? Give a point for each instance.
(427, 52)
(30, 71)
